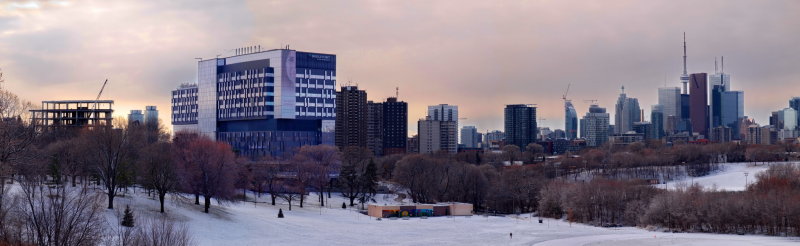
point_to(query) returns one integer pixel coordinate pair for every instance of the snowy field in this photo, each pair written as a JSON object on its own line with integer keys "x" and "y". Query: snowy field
{"x": 257, "y": 224}
{"x": 730, "y": 178}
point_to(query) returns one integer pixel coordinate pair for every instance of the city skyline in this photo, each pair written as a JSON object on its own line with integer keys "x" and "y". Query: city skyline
{"x": 527, "y": 52}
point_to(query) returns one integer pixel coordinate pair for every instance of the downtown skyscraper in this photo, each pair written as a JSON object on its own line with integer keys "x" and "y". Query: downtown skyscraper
{"x": 570, "y": 120}
{"x": 669, "y": 99}
{"x": 627, "y": 112}
{"x": 698, "y": 103}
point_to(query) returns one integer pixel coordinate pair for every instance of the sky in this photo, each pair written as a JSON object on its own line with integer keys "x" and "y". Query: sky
{"x": 479, "y": 55}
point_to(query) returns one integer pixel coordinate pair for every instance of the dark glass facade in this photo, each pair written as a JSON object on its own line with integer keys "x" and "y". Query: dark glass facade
{"x": 698, "y": 103}
{"x": 245, "y": 91}
{"x": 316, "y": 86}
{"x": 520, "y": 125}
{"x": 657, "y": 119}
{"x": 395, "y": 126}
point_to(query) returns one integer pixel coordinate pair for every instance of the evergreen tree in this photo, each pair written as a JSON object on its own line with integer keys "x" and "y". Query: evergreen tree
{"x": 350, "y": 181}
{"x": 127, "y": 218}
{"x": 280, "y": 213}
{"x": 344, "y": 206}
{"x": 368, "y": 182}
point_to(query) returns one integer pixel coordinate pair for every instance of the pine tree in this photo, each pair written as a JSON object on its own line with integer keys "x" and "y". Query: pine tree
{"x": 344, "y": 206}
{"x": 127, "y": 218}
{"x": 350, "y": 181}
{"x": 368, "y": 181}
{"x": 280, "y": 213}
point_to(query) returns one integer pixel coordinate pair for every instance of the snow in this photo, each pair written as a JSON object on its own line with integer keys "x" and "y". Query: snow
{"x": 248, "y": 223}
{"x": 730, "y": 178}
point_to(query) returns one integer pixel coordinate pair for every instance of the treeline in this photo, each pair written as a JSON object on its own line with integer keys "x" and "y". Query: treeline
{"x": 769, "y": 206}
{"x": 430, "y": 179}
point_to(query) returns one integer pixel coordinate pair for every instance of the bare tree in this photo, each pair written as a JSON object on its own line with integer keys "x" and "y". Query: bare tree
{"x": 160, "y": 172}
{"x": 511, "y": 153}
{"x": 182, "y": 155}
{"x": 265, "y": 177}
{"x": 354, "y": 160}
{"x": 535, "y": 151}
{"x": 316, "y": 165}
{"x": 110, "y": 151}
{"x": 158, "y": 231}
{"x": 60, "y": 216}
{"x": 212, "y": 169}
{"x": 288, "y": 191}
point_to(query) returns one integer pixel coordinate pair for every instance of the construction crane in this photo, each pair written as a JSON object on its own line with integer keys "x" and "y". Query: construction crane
{"x": 564, "y": 97}
{"x": 98, "y": 98}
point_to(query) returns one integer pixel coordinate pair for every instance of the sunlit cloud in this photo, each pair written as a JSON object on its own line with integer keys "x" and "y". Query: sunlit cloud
{"x": 479, "y": 55}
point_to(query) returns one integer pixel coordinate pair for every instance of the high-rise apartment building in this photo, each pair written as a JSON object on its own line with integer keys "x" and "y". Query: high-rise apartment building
{"x": 437, "y": 135}
{"x": 627, "y": 112}
{"x": 135, "y": 118}
{"x": 375, "y": 127}
{"x": 151, "y": 117}
{"x": 395, "y": 126}
{"x": 441, "y": 129}
{"x": 469, "y": 137}
{"x": 261, "y": 102}
{"x": 570, "y": 120}
{"x": 698, "y": 103}
{"x": 387, "y": 127}
{"x": 595, "y": 126}
{"x": 351, "y": 118}
{"x": 520, "y": 125}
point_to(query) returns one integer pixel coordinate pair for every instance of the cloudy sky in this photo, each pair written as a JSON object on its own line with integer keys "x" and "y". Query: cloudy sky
{"x": 479, "y": 55}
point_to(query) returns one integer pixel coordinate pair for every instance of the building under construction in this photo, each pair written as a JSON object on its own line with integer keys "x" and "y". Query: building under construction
{"x": 72, "y": 113}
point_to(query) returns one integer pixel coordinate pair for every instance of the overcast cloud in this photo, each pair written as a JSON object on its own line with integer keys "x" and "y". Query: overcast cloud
{"x": 479, "y": 55}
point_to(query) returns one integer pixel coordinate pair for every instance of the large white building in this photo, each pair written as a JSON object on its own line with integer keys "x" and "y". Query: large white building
{"x": 261, "y": 102}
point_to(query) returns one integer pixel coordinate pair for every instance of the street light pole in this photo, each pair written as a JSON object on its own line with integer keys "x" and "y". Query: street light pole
{"x": 745, "y": 179}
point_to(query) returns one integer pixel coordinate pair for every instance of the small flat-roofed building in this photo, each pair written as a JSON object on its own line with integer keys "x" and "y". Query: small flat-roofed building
{"x": 420, "y": 210}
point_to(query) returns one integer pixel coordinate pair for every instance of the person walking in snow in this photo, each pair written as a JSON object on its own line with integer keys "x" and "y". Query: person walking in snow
{"x": 510, "y": 235}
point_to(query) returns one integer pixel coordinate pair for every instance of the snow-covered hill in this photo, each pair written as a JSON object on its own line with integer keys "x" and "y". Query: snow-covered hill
{"x": 257, "y": 224}
{"x": 731, "y": 177}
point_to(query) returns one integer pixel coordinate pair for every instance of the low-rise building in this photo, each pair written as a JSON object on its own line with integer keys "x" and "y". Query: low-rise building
{"x": 419, "y": 210}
